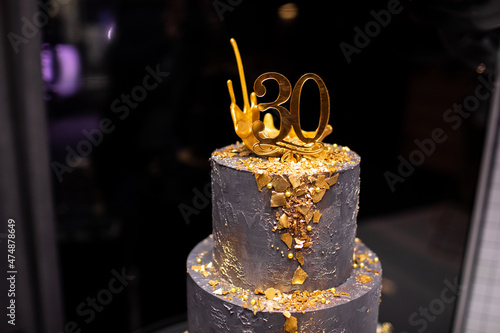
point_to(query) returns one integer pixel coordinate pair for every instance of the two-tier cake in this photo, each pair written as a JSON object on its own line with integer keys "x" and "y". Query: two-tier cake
{"x": 283, "y": 256}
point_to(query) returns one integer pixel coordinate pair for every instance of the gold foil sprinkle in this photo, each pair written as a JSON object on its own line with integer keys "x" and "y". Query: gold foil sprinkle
{"x": 363, "y": 278}
{"x": 299, "y": 276}
{"x": 213, "y": 283}
{"x": 361, "y": 257}
{"x": 291, "y": 324}
{"x": 287, "y": 239}
{"x": 332, "y": 180}
{"x": 304, "y": 209}
{"x": 270, "y": 292}
{"x": 295, "y": 180}
{"x": 300, "y": 191}
{"x": 262, "y": 179}
{"x": 278, "y": 199}
{"x": 300, "y": 257}
{"x": 321, "y": 183}
{"x": 283, "y": 222}
{"x": 280, "y": 183}
{"x": 316, "y": 216}
{"x": 309, "y": 216}
{"x": 318, "y": 195}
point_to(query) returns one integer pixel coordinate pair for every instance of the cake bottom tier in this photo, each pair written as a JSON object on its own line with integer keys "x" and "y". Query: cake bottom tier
{"x": 214, "y": 305}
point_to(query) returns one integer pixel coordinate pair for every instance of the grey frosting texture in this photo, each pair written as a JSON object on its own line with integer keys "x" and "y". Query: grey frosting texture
{"x": 248, "y": 252}
{"x": 356, "y": 312}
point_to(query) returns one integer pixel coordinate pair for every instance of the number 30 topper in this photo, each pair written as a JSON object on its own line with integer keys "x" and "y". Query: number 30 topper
{"x": 262, "y": 137}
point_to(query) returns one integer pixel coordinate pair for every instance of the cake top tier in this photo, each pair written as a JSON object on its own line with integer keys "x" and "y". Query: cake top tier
{"x": 284, "y": 222}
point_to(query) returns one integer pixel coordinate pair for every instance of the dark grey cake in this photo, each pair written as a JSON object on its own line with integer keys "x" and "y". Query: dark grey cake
{"x": 283, "y": 255}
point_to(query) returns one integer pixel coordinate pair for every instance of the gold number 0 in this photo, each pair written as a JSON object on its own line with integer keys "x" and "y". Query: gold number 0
{"x": 291, "y": 119}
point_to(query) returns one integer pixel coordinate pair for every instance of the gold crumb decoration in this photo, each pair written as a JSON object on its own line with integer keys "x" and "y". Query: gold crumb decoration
{"x": 295, "y": 180}
{"x": 262, "y": 137}
{"x": 321, "y": 182}
{"x": 318, "y": 195}
{"x": 361, "y": 257}
{"x": 291, "y": 325}
{"x": 283, "y": 222}
{"x": 363, "y": 278}
{"x": 300, "y": 257}
{"x": 287, "y": 239}
{"x": 332, "y": 180}
{"x": 303, "y": 209}
{"x": 213, "y": 283}
{"x": 280, "y": 183}
{"x": 262, "y": 179}
{"x": 299, "y": 276}
{"x": 316, "y": 216}
{"x": 278, "y": 199}
{"x": 270, "y": 293}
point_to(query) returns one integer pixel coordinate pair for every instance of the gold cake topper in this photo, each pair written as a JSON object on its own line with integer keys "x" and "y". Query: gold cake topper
{"x": 262, "y": 137}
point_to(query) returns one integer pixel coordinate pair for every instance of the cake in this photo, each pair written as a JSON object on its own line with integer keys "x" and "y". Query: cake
{"x": 283, "y": 255}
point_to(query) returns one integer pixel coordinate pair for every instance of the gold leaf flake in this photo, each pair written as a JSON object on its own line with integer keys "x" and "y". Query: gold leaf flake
{"x": 309, "y": 216}
{"x": 291, "y": 325}
{"x": 294, "y": 180}
{"x": 280, "y": 183}
{"x": 196, "y": 268}
{"x": 262, "y": 179}
{"x": 287, "y": 238}
{"x": 283, "y": 222}
{"x": 300, "y": 257}
{"x": 213, "y": 283}
{"x": 316, "y": 216}
{"x": 270, "y": 292}
{"x": 299, "y": 276}
{"x": 332, "y": 180}
{"x": 363, "y": 278}
{"x": 321, "y": 183}
{"x": 361, "y": 257}
{"x": 317, "y": 196}
{"x": 303, "y": 209}
{"x": 278, "y": 199}
{"x": 287, "y": 314}
{"x": 301, "y": 190}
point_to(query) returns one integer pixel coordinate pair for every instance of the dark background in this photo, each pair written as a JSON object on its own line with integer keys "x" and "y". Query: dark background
{"x": 119, "y": 207}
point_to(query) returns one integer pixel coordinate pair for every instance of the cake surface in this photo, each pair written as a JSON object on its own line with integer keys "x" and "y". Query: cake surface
{"x": 215, "y": 305}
